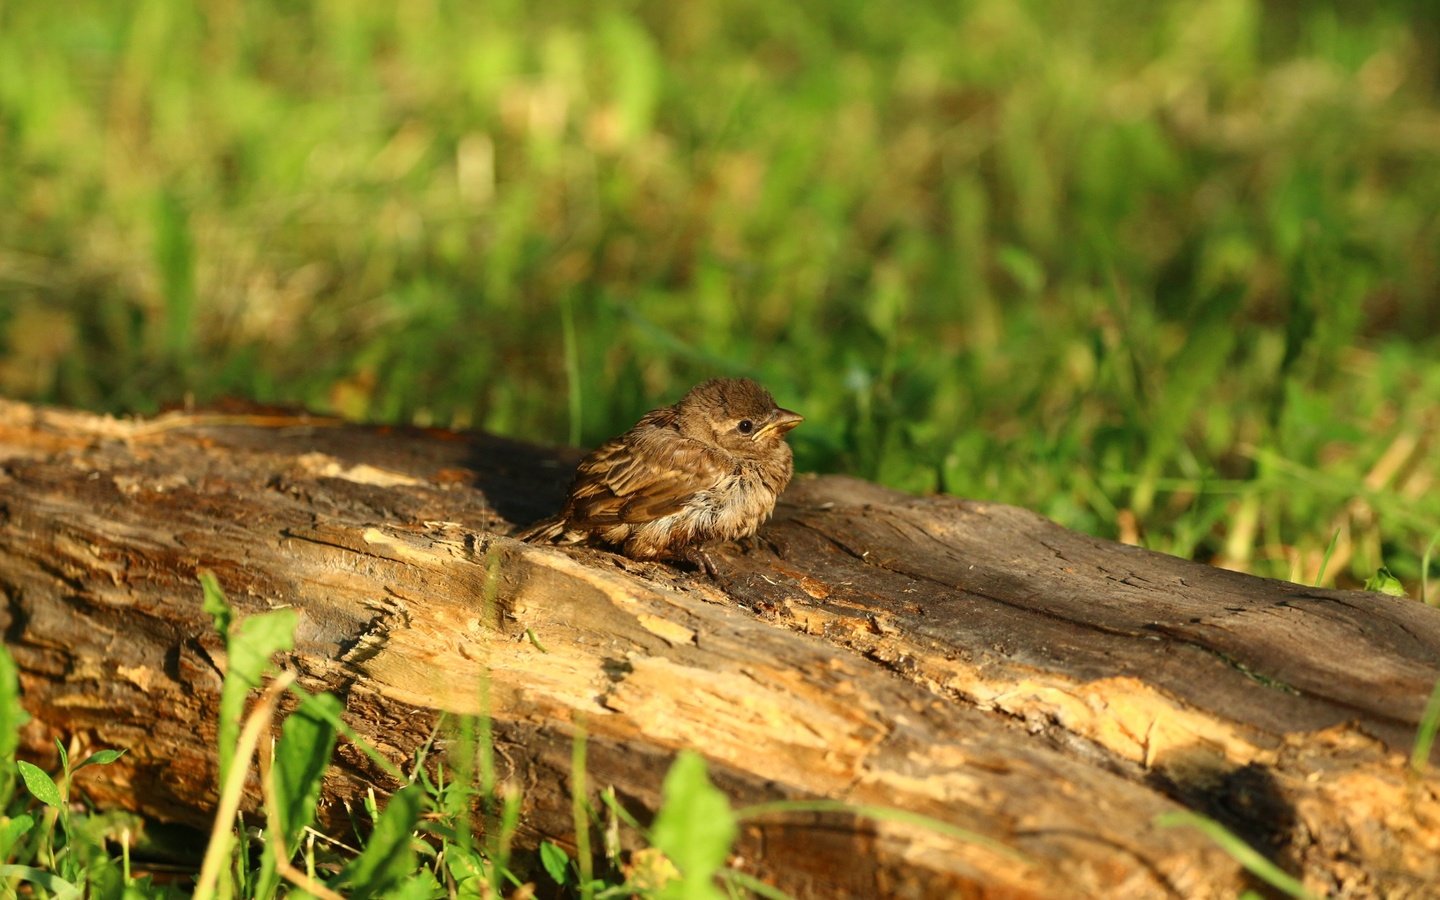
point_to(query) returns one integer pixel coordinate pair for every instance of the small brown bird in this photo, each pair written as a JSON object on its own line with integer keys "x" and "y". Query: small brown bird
{"x": 705, "y": 470}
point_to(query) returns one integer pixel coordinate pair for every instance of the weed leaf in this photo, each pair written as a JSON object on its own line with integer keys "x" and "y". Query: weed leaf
{"x": 388, "y": 857}
{"x": 12, "y": 830}
{"x": 215, "y": 603}
{"x": 307, "y": 740}
{"x": 556, "y": 861}
{"x": 423, "y": 886}
{"x": 467, "y": 868}
{"x": 99, "y": 758}
{"x": 695, "y": 828}
{"x": 249, "y": 649}
{"x": 40, "y": 785}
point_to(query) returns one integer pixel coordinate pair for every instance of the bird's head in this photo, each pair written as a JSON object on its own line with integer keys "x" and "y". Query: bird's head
{"x": 736, "y": 415}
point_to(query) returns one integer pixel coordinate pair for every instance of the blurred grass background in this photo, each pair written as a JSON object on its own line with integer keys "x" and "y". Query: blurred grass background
{"x": 1165, "y": 272}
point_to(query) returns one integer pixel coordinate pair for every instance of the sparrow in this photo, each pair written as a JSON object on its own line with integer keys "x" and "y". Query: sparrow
{"x": 703, "y": 471}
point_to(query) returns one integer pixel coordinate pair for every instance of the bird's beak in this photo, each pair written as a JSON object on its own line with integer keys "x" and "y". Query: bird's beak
{"x": 782, "y": 420}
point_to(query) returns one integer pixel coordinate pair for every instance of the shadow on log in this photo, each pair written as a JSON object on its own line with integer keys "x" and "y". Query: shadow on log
{"x": 971, "y": 662}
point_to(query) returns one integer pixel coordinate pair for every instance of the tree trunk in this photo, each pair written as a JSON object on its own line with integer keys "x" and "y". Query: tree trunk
{"x": 971, "y": 662}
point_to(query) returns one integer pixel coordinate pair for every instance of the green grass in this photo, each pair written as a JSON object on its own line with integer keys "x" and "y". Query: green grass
{"x": 1254, "y": 862}
{"x": 1165, "y": 274}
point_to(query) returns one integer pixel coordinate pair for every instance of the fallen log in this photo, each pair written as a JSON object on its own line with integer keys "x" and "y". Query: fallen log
{"x": 971, "y": 662}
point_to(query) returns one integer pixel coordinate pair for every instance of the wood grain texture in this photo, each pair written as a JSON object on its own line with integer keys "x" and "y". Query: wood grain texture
{"x": 971, "y": 662}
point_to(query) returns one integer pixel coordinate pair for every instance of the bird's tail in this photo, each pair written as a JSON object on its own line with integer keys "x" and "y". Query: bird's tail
{"x": 545, "y": 531}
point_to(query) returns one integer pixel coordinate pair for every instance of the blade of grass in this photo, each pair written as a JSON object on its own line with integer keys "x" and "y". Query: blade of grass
{"x": 1425, "y": 736}
{"x": 278, "y": 850}
{"x": 1399, "y": 509}
{"x": 572, "y": 364}
{"x": 1325, "y": 562}
{"x": 882, "y": 813}
{"x": 509, "y": 824}
{"x": 59, "y": 887}
{"x": 1240, "y": 851}
{"x": 752, "y": 884}
{"x": 221, "y": 833}
{"x": 1426, "y": 597}
{"x": 12, "y": 717}
{"x": 580, "y": 813}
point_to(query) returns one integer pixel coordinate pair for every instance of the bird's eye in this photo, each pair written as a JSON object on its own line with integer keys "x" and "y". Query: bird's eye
{"x": 746, "y": 426}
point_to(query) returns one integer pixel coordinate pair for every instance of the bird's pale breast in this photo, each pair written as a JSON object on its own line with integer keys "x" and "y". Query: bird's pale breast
{"x": 734, "y": 507}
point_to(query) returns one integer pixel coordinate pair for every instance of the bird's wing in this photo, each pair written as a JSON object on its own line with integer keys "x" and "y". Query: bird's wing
{"x": 645, "y": 474}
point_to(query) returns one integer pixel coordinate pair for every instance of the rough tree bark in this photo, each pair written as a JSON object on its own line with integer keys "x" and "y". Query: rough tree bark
{"x": 972, "y": 662}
